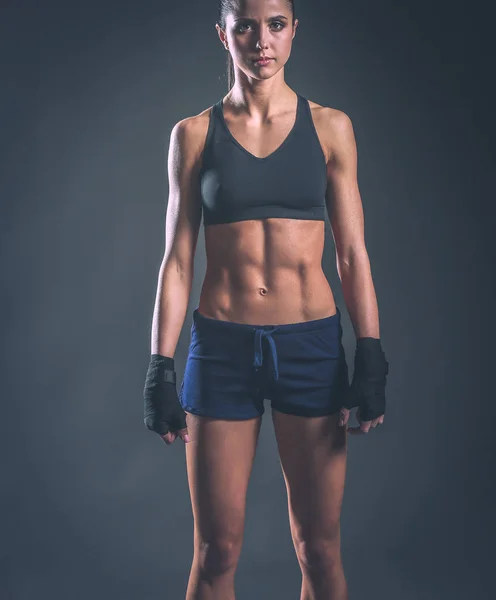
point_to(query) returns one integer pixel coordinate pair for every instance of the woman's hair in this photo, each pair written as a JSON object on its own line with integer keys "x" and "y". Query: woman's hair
{"x": 225, "y": 7}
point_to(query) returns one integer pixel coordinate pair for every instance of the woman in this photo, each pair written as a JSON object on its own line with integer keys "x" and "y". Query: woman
{"x": 262, "y": 166}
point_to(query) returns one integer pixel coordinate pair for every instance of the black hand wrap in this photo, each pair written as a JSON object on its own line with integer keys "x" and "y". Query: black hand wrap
{"x": 163, "y": 411}
{"x": 368, "y": 385}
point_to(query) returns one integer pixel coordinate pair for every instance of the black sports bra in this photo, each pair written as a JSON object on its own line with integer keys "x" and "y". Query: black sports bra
{"x": 289, "y": 183}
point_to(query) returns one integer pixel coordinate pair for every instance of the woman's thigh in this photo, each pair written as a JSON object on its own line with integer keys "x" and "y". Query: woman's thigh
{"x": 219, "y": 461}
{"x": 312, "y": 452}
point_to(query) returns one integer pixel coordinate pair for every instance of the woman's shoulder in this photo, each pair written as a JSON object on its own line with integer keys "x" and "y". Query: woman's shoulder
{"x": 327, "y": 114}
{"x": 192, "y": 130}
{"x": 332, "y": 126}
{"x": 329, "y": 119}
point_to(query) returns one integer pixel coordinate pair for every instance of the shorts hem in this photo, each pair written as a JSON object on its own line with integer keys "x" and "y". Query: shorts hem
{"x": 223, "y": 416}
{"x": 304, "y": 412}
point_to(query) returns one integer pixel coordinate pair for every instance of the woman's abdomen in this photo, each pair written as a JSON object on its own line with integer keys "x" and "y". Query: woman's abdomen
{"x": 266, "y": 272}
{"x": 285, "y": 297}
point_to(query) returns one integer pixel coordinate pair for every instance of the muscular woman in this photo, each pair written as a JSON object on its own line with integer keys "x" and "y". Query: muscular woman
{"x": 262, "y": 166}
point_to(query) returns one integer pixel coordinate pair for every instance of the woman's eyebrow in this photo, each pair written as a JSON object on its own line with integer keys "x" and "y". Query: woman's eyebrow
{"x": 276, "y": 17}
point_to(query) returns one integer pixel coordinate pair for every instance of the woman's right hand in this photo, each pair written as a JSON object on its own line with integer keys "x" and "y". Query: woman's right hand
{"x": 170, "y": 437}
{"x": 163, "y": 412}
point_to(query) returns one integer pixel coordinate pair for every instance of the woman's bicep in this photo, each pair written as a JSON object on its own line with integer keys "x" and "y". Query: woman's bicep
{"x": 184, "y": 208}
{"x": 344, "y": 204}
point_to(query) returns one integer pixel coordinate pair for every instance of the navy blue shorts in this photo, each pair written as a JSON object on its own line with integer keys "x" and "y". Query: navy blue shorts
{"x": 232, "y": 367}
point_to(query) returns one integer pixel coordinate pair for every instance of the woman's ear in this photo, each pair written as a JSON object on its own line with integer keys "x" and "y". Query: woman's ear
{"x": 222, "y": 35}
{"x": 294, "y": 28}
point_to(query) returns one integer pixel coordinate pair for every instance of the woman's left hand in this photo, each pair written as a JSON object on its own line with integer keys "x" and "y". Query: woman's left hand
{"x": 364, "y": 425}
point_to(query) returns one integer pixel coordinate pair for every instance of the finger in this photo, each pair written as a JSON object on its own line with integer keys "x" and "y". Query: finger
{"x": 365, "y": 425}
{"x": 359, "y": 430}
{"x": 183, "y": 434}
{"x": 344, "y": 416}
{"x": 354, "y": 431}
{"x": 169, "y": 437}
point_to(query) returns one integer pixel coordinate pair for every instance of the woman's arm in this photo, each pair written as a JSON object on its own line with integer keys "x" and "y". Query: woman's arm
{"x": 344, "y": 207}
{"x": 183, "y": 218}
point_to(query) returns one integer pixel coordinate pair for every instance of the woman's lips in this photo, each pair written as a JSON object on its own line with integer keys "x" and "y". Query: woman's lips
{"x": 262, "y": 62}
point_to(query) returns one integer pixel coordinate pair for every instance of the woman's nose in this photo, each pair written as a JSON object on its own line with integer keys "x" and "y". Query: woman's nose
{"x": 262, "y": 43}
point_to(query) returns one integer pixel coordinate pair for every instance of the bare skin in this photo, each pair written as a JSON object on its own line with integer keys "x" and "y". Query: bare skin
{"x": 268, "y": 271}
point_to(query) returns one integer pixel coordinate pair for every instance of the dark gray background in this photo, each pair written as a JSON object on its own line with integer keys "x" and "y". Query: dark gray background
{"x": 94, "y": 505}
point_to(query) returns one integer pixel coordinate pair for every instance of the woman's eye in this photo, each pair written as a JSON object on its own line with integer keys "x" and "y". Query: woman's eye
{"x": 240, "y": 30}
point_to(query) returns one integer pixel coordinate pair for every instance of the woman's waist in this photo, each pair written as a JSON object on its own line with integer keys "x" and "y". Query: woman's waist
{"x": 282, "y": 297}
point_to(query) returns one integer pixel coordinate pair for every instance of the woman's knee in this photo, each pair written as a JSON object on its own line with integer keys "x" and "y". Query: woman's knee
{"x": 219, "y": 555}
{"x": 319, "y": 553}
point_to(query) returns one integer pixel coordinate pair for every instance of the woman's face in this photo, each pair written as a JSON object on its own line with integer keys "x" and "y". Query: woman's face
{"x": 259, "y": 28}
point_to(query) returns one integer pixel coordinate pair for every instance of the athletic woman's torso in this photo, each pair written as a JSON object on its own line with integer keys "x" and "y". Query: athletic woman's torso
{"x": 264, "y": 269}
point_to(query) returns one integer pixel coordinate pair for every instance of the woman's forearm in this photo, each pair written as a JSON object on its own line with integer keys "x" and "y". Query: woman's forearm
{"x": 359, "y": 294}
{"x": 171, "y": 305}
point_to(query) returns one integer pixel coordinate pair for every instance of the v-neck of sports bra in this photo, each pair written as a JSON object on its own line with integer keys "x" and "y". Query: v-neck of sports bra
{"x": 283, "y": 143}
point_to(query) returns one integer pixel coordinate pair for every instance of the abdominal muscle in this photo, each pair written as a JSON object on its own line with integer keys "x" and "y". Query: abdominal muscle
{"x": 266, "y": 272}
